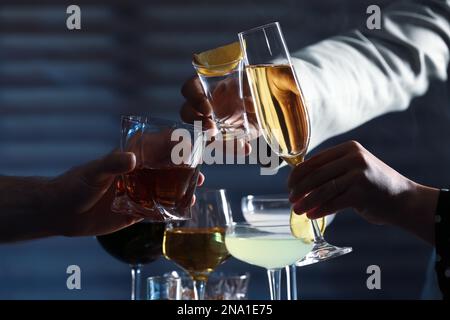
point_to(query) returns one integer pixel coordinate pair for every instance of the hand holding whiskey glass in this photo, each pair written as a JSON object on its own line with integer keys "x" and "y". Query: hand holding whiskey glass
{"x": 168, "y": 158}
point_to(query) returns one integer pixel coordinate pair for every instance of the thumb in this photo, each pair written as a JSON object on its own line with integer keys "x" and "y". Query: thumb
{"x": 101, "y": 171}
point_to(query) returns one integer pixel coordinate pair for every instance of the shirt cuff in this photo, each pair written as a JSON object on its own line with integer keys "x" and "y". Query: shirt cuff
{"x": 442, "y": 220}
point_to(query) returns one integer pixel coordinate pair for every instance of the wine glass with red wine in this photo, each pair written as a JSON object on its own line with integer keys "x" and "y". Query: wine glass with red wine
{"x": 136, "y": 245}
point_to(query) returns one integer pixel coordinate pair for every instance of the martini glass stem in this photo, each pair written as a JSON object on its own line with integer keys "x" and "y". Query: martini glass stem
{"x": 291, "y": 280}
{"x": 274, "y": 276}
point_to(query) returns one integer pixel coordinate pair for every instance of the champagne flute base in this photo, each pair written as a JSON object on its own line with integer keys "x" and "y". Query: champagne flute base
{"x": 323, "y": 251}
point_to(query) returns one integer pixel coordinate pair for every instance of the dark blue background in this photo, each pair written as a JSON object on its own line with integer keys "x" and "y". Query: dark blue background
{"x": 62, "y": 92}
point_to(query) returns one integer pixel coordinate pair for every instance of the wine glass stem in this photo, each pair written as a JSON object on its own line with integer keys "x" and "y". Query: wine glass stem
{"x": 199, "y": 289}
{"x": 136, "y": 282}
{"x": 274, "y": 276}
{"x": 318, "y": 238}
{"x": 291, "y": 280}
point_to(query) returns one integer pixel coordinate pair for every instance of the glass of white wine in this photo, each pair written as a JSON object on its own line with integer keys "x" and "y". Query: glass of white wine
{"x": 198, "y": 245}
{"x": 281, "y": 111}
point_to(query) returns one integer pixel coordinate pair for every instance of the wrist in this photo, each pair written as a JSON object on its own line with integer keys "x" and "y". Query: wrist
{"x": 44, "y": 207}
{"x": 418, "y": 212}
{"x": 24, "y": 213}
{"x": 52, "y": 210}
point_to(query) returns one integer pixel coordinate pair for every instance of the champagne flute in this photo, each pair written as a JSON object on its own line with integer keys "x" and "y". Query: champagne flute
{"x": 281, "y": 110}
{"x": 198, "y": 245}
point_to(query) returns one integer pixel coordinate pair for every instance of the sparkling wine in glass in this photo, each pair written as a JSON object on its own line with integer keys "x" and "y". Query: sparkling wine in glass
{"x": 281, "y": 110}
{"x": 198, "y": 245}
{"x": 136, "y": 245}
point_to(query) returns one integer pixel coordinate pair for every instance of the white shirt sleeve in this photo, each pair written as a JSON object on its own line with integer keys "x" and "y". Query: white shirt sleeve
{"x": 350, "y": 79}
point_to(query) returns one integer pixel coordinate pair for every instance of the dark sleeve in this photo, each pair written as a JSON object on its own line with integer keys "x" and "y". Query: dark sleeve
{"x": 442, "y": 232}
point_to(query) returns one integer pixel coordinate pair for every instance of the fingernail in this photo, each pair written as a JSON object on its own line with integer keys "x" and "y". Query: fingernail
{"x": 311, "y": 215}
{"x": 298, "y": 208}
{"x": 129, "y": 160}
{"x": 247, "y": 148}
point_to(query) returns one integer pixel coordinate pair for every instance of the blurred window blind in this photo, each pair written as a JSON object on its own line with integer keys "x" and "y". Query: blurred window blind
{"x": 62, "y": 92}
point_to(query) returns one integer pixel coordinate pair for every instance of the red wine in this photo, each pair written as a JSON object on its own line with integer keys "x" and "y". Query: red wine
{"x": 140, "y": 243}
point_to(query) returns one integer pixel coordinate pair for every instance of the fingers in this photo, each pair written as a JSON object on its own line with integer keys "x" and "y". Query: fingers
{"x": 334, "y": 205}
{"x": 97, "y": 217}
{"x": 310, "y": 179}
{"x": 201, "y": 179}
{"x": 98, "y": 172}
{"x": 115, "y": 163}
{"x": 192, "y": 90}
{"x": 189, "y": 114}
{"x": 245, "y": 86}
{"x": 324, "y": 193}
{"x": 318, "y": 160}
{"x": 248, "y": 104}
{"x": 247, "y": 148}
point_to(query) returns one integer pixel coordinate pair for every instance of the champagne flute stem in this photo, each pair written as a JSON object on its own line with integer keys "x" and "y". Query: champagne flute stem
{"x": 135, "y": 282}
{"x": 274, "y": 276}
{"x": 318, "y": 238}
{"x": 291, "y": 280}
{"x": 199, "y": 289}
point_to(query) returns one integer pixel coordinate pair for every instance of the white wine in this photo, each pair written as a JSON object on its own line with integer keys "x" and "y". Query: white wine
{"x": 281, "y": 110}
{"x": 198, "y": 250}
